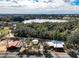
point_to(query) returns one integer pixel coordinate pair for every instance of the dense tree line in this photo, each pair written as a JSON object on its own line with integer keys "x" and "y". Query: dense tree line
{"x": 73, "y": 39}
{"x": 9, "y": 18}
{"x": 59, "y": 31}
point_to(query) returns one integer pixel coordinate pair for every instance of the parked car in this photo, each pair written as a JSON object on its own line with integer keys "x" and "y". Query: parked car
{"x": 72, "y": 53}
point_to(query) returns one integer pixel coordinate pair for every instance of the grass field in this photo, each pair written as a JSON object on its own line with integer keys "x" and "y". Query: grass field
{"x": 4, "y": 31}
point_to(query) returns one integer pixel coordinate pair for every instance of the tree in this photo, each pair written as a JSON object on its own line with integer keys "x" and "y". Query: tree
{"x": 19, "y": 19}
{"x": 73, "y": 38}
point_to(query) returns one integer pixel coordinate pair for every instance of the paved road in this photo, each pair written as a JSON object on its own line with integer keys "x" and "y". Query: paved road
{"x": 54, "y": 54}
{"x": 14, "y": 55}
{"x": 60, "y": 54}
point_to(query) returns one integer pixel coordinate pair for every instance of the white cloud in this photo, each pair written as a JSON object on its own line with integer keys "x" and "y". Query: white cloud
{"x": 30, "y": 6}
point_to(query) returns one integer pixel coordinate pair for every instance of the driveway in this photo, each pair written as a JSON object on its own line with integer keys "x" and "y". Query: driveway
{"x": 60, "y": 54}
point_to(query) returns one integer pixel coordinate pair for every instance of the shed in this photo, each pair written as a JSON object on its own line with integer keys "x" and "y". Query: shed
{"x": 35, "y": 41}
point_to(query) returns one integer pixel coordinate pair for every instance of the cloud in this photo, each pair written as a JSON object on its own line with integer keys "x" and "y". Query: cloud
{"x": 36, "y": 6}
{"x": 31, "y": 3}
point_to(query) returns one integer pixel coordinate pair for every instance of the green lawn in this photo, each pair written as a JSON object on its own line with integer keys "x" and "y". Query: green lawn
{"x": 4, "y": 31}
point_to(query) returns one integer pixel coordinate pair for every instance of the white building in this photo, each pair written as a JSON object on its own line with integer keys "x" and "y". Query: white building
{"x": 56, "y": 44}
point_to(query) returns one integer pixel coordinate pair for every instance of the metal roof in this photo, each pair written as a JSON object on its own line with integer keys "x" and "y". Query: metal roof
{"x": 56, "y": 44}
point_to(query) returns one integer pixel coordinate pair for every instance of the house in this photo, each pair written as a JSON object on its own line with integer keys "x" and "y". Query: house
{"x": 14, "y": 43}
{"x": 56, "y": 44}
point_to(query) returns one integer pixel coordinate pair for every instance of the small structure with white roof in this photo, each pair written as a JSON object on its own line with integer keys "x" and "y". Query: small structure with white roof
{"x": 35, "y": 41}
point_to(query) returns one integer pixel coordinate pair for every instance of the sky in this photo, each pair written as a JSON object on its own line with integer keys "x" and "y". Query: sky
{"x": 39, "y": 6}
